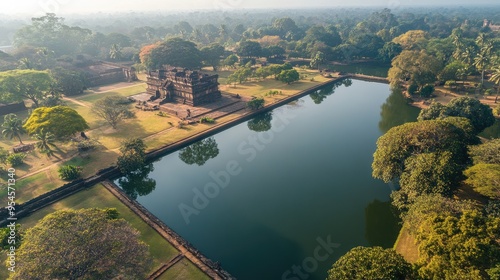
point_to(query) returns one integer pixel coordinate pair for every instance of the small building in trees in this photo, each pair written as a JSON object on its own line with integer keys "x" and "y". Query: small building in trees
{"x": 183, "y": 86}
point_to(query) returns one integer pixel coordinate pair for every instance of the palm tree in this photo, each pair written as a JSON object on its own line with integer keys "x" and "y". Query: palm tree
{"x": 482, "y": 60}
{"x": 25, "y": 63}
{"x": 115, "y": 53}
{"x": 12, "y": 127}
{"x": 495, "y": 78}
{"x": 45, "y": 142}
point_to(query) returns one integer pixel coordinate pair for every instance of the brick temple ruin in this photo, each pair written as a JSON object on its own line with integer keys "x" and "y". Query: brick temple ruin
{"x": 183, "y": 86}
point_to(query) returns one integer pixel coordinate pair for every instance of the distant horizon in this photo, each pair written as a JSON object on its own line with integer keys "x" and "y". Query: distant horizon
{"x": 32, "y": 8}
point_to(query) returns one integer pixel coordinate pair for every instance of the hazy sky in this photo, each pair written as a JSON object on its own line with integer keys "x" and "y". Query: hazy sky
{"x": 38, "y": 7}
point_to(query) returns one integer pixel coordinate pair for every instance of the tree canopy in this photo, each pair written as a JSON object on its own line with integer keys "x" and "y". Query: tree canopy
{"x": 61, "y": 121}
{"x": 459, "y": 247}
{"x": 480, "y": 115}
{"x": 212, "y": 54}
{"x": 288, "y": 76}
{"x": 174, "y": 52}
{"x": 82, "y": 244}
{"x": 486, "y": 152}
{"x": 485, "y": 179}
{"x": 415, "y": 67}
{"x": 374, "y": 263}
{"x": 17, "y": 85}
{"x": 410, "y": 139}
{"x": 112, "y": 109}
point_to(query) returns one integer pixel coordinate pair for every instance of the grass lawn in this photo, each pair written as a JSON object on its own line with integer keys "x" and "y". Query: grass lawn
{"x": 144, "y": 124}
{"x": 259, "y": 88}
{"x": 91, "y": 97}
{"x": 184, "y": 269}
{"x": 99, "y": 197}
{"x": 406, "y": 245}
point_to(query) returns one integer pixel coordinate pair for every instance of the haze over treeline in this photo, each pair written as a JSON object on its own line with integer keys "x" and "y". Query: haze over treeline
{"x": 91, "y": 6}
{"x": 164, "y": 21}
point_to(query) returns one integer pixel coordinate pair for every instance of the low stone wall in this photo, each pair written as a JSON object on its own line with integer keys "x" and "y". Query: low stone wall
{"x": 205, "y": 264}
{"x": 11, "y": 108}
{"x": 25, "y": 209}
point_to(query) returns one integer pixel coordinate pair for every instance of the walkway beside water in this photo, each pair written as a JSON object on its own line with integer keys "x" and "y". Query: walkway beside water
{"x": 186, "y": 250}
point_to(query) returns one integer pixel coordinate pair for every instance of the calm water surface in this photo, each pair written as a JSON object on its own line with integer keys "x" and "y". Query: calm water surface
{"x": 301, "y": 178}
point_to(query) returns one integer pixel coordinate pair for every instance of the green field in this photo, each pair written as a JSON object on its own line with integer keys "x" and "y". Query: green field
{"x": 161, "y": 250}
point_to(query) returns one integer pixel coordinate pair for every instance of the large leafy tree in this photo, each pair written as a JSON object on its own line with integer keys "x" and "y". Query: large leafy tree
{"x": 67, "y": 81}
{"x": 175, "y": 52}
{"x": 415, "y": 67}
{"x": 460, "y": 246}
{"x": 18, "y": 85}
{"x": 410, "y": 139}
{"x": 82, "y": 244}
{"x": 50, "y": 32}
{"x": 413, "y": 40}
{"x": 112, "y": 109}
{"x": 288, "y": 76}
{"x": 61, "y": 121}
{"x": 12, "y": 127}
{"x": 200, "y": 152}
{"x": 427, "y": 173}
{"x": 374, "y": 263}
{"x": 426, "y": 206}
{"x": 480, "y": 115}
{"x": 485, "y": 179}
{"x": 486, "y": 152}
{"x": 212, "y": 54}
{"x": 249, "y": 49}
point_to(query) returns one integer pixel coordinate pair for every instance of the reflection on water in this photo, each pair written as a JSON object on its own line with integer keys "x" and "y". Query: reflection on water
{"x": 261, "y": 123}
{"x": 394, "y": 112}
{"x": 200, "y": 152}
{"x": 382, "y": 224}
{"x": 309, "y": 178}
{"x": 138, "y": 183}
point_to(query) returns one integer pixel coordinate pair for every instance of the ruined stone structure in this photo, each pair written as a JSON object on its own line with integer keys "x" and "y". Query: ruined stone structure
{"x": 487, "y": 23}
{"x": 183, "y": 86}
{"x": 104, "y": 73}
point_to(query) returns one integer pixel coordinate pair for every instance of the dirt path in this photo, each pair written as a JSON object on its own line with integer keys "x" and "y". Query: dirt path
{"x": 115, "y": 87}
{"x": 76, "y": 102}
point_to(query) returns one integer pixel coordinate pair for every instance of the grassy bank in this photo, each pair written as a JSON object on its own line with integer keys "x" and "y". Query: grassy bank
{"x": 98, "y": 197}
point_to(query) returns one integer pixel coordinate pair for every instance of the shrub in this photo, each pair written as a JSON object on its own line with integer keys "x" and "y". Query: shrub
{"x": 255, "y": 103}
{"x": 16, "y": 159}
{"x": 427, "y": 90}
{"x": 272, "y": 93}
{"x": 207, "y": 120}
{"x": 86, "y": 145}
{"x": 69, "y": 172}
{"x": 412, "y": 89}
